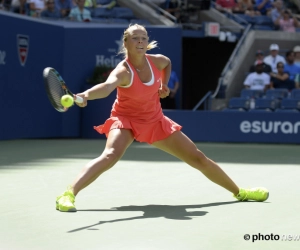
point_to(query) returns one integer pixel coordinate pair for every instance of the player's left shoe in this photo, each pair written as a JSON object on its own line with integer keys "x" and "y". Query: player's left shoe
{"x": 254, "y": 194}
{"x": 66, "y": 201}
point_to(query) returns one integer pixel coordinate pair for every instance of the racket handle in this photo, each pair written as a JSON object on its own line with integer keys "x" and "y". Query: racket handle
{"x": 78, "y": 99}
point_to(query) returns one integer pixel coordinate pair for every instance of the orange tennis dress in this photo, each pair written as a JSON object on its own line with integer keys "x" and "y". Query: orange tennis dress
{"x": 137, "y": 107}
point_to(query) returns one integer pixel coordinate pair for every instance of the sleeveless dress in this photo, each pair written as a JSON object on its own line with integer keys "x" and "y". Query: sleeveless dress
{"x": 137, "y": 107}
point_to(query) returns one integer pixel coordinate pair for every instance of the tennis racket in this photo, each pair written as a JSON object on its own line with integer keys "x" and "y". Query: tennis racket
{"x": 56, "y": 88}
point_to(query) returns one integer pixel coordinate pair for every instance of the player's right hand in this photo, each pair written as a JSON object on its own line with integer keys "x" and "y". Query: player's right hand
{"x": 84, "y": 97}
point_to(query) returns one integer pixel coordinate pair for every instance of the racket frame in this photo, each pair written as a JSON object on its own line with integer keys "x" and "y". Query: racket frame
{"x": 64, "y": 87}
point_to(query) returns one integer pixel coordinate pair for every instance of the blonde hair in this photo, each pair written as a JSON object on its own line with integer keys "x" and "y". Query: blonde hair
{"x": 151, "y": 45}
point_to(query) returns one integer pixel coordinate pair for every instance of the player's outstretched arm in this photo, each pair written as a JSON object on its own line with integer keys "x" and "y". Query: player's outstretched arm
{"x": 118, "y": 77}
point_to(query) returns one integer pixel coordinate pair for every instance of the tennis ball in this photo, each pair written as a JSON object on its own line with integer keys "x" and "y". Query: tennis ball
{"x": 67, "y": 101}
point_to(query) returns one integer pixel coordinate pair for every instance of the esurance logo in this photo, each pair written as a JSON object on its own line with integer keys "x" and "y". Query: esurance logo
{"x": 270, "y": 127}
{"x": 23, "y": 47}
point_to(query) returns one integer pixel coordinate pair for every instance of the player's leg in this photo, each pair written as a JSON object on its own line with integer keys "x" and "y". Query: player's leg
{"x": 117, "y": 142}
{"x": 183, "y": 148}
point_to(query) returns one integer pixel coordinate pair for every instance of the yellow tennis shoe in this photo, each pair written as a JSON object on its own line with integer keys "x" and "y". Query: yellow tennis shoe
{"x": 254, "y": 194}
{"x": 66, "y": 201}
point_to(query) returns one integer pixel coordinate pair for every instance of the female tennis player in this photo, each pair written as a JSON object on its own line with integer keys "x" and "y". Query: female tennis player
{"x": 141, "y": 79}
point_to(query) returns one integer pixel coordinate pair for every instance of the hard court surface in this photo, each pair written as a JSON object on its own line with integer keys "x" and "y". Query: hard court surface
{"x": 149, "y": 200}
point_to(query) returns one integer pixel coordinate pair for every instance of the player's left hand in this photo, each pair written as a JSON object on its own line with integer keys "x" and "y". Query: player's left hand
{"x": 163, "y": 91}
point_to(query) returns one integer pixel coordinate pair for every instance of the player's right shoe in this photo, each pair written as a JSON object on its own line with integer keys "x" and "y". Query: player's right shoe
{"x": 254, "y": 194}
{"x": 66, "y": 201}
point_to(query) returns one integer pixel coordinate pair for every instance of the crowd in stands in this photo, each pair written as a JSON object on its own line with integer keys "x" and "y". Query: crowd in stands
{"x": 275, "y": 71}
{"x": 183, "y": 10}
{"x": 75, "y": 10}
{"x": 272, "y": 84}
{"x": 279, "y": 14}
{"x": 174, "y": 7}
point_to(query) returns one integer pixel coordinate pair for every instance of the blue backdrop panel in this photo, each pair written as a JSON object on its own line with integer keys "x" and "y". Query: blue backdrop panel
{"x": 26, "y": 112}
{"x": 74, "y": 49}
{"x": 210, "y": 126}
{"x": 239, "y": 126}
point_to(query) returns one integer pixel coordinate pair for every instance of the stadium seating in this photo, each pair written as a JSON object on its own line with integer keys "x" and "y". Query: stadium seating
{"x": 123, "y": 12}
{"x": 262, "y": 27}
{"x": 249, "y": 93}
{"x": 118, "y": 20}
{"x": 103, "y": 13}
{"x": 259, "y": 110}
{"x": 119, "y": 15}
{"x": 263, "y": 20}
{"x": 277, "y": 93}
{"x": 267, "y": 103}
{"x": 100, "y": 20}
{"x": 290, "y": 103}
{"x": 259, "y": 22}
{"x": 239, "y": 103}
{"x": 295, "y": 94}
{"x": 245, "y": 18}
{"x": 140, "y": 21}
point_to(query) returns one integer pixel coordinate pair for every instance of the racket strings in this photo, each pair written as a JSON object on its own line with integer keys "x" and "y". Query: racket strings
{"x": 55, "y": 90}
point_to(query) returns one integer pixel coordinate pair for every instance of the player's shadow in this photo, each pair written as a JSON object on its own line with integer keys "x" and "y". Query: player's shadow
{"x": 154, "y": 211}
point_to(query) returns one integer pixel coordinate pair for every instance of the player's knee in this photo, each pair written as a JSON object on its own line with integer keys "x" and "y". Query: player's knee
{"x": 200, "y": 160}
{"x": 113, "y": 154}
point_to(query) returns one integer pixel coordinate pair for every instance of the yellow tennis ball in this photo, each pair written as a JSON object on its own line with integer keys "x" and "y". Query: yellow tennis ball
{"x": 67, "y": 101}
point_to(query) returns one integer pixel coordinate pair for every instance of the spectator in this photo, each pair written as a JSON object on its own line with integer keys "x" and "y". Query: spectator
{"x": 260, "y": 57}
{"x": 281, "y": 79}
{"x": 36, "y": 7}
{"x": 287, "y": 22}
{"x": 169, "y": 102}
{"x": 290, "y": 66}
{"x": 274, "y": 58}
{"x": 64, "y": 7}
{"x": 263, "y": 6}
{"x": 276, "y": 11}
{"x": 50, "y": 11}
{"x": 79, "y": 13}
{"x": 297, "y": 55}
{"x": 19, "y": 7}
{"x": 246, "y": 7}
{"x": 173, "y": 7}
{"x": 227, "y": 6}
{"x": 258, "y": 80}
